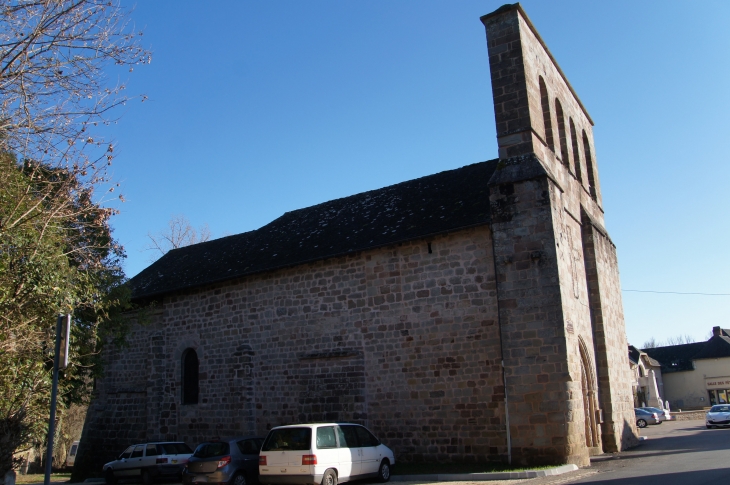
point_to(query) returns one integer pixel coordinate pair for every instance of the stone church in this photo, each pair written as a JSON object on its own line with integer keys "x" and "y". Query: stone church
{"x": 472, "y": 315}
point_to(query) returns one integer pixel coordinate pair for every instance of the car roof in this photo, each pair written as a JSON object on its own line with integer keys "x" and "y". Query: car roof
{"x": 304, "y": 425}
{"x": 229, "y": 440}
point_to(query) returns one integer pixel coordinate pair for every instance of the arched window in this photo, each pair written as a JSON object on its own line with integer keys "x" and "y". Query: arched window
{"x": 561, "y": 133}
{"x": 547, "y": 119}
{"x": 189, "y": 377}
{"x": 589, "y": 166}
{"x": 576, "y": 153}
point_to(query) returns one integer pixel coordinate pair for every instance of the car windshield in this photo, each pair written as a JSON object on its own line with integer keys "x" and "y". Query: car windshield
{"x": 720, "y": 409}
{"x": 175, "y": 448}
{"x": 299, "y": 439}
{"x": 208, "y": 450}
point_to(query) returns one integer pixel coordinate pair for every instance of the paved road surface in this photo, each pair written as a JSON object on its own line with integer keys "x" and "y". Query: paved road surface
{"x": 682, "y": 453}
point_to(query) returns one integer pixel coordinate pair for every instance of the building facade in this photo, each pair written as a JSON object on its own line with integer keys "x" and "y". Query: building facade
{"x": 471, "y": 315}
{"x": 647, "y": 385}
{"x": 696, "y": 375}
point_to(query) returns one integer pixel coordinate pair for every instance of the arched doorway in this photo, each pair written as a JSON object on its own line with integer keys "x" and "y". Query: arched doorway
{"x": 590, "y": 399}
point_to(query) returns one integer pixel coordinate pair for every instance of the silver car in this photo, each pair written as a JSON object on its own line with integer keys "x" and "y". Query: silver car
{"x": 148, "y": 461}
{"x": 718, "y": 415}
{"x": 663, "y": 413}
{"x": 644, "y": 417}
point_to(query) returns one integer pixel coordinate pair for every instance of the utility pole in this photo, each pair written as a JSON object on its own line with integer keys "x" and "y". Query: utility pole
{"x": 60, "y": 360}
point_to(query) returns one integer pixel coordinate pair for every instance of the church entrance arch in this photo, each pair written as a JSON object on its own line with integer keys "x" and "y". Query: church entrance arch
{"x": 590, "y": 398}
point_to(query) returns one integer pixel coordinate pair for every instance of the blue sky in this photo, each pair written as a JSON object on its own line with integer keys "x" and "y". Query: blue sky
{"x": 258, "y": 108}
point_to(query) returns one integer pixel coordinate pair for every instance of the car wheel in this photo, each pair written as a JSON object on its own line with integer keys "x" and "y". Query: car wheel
{"x": 641, "y": 423}
{"x": 384, "y": 471}
{"x": 238, "y": 479}
{"x": 109, "y": 476}
{"x": 329, "y": 477}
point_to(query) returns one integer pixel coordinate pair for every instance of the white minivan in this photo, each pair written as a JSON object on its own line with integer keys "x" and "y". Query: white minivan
{"x": 323, "y": 453}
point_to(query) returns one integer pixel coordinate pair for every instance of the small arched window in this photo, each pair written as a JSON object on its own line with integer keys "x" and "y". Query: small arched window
{"x": 576, "y": 153}
{"x": 190, "y": 377}
{"x": 547, "y": 119}
{"x": 590, "y": 169}
{"x": 561, "y": 133}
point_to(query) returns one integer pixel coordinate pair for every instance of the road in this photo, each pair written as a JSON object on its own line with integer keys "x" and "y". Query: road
{"x": 681, "y": 452}
{"x": 675, "y": 453}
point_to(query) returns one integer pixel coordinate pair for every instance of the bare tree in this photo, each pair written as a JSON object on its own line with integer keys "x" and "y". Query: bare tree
{"x": 678, "y": 340}
{"x": 54, "y": 59}
{"x": 179, "y": 233}
{"x": 651, "y": 344}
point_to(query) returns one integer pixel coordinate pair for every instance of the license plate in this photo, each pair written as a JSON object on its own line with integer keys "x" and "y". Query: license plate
{"x": 174, "y": 461}
{"x": 200, "y": 479}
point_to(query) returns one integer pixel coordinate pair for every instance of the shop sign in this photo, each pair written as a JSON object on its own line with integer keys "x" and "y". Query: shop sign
{"x": 717, "y": 383}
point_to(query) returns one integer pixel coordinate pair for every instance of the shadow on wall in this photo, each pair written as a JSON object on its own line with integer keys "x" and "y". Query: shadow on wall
{"x": 629, "y": 438}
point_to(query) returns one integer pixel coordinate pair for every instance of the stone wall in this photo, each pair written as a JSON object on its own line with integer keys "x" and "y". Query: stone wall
{"x": 400, "y": 339}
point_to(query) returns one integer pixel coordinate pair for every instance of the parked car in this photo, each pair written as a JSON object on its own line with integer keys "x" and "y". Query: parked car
{"x": 644, "y": 417}
{"x": 718, "y": 415}
{"x": 324, "y": 453}
{"x": 149, "y": 461}
{"x": 663, "y": 413}
{"x": 234, "y": 461}
{"x": 71, "y": 458}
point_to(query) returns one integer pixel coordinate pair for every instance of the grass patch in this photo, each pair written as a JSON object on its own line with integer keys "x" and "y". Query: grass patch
{"x": 438, "y": 468}
{"x": 39, "y": 477}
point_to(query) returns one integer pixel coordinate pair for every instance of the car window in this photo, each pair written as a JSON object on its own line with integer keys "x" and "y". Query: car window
{"x": 208, "y": 450}
{"x": 174, "y": 449}
{"x": 720, "y": 409}
{"x": 348, "y": 436}
{"x": 249, "y": 447}
{"x": 365, "y": 437}
{"x": 127, "y": 453}
{"x": 137, "y": 451}
{"x": 73, "y": 450}
{"x": 151, "y": 450}
{"x": 326, "y": 437}
{"x": 298, "y": 439}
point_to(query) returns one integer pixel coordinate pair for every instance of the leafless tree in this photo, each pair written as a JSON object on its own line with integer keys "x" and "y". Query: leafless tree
{"x": 678, "y": 340}
{"x": 54, "y": 90}
{"x": 179, "y": 233}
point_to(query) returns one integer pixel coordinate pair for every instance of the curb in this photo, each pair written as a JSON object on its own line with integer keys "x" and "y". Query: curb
{"x": 478, "y": 477}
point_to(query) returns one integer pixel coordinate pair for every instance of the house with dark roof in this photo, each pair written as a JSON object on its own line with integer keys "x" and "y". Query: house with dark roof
{"x": 647, "y": 385}
{"x": 473, "y": 315}
{"x": 696, "y": 375}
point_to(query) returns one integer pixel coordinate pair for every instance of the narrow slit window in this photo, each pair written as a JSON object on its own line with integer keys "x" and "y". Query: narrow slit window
{"x": 590, "y": 169}
{"x": 561, "y": 133}
{"x": 190, "y": 367}
{"x": 576, "y": 152}
{"x": 546, "y": 117}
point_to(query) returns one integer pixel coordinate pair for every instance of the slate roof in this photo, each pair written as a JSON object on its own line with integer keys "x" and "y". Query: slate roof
{"x": 635, "y": 355}
{"x": 446, "y": 201}
{"x": 676, "y": 358}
